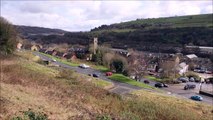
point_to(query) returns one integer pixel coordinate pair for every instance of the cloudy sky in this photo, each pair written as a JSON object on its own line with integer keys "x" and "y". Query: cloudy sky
{"x": 85, "y": 15}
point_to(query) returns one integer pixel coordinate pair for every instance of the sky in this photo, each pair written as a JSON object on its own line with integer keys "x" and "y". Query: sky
{"x": 85, "y": 15}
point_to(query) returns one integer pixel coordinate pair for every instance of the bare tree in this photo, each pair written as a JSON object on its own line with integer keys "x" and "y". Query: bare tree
{"x": 138, "y": 64}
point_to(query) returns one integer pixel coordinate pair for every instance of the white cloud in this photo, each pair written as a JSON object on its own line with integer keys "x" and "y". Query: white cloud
{"x": 85, "y": 15}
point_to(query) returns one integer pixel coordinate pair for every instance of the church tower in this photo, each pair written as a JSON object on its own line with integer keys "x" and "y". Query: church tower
{"x": 95, "y": 42}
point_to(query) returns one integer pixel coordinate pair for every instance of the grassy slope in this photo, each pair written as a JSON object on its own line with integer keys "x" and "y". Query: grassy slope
{"x": 74, "y": 98}
{"x": 204, "y": 20}
{"x": 179, "y": 21}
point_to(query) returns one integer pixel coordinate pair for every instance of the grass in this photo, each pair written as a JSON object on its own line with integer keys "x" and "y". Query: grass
{"x": 101, "y": 68}
{"x": 153, "y": 78}
{"x": 122, "y": 78}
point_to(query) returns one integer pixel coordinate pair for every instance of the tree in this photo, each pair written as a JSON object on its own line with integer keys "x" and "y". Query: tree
{"x": 107, "y": 58}
{"x": 138, "y": 64}
{"x": 118, "y": 63}
{"x": 8, "y": 37}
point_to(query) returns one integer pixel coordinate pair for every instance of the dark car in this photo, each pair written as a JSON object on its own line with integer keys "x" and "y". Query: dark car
{"x": 176, "y": 82}
{"x": 146, "y": 81}
{"x": 197, "y": 98}
{"x": 94, "y": 75}
{"x": 183, "y": 79}
{"x": 189, "y": 86}
{"x": 159, "y": 85}
{"x": 165, "y": 85}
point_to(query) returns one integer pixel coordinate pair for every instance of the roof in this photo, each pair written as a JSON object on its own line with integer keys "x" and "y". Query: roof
{"x": 59, "y": 54}
{"x": 69, "y": 55}
{"x": 183, "y": 64}
{"x": 191, "y": 56}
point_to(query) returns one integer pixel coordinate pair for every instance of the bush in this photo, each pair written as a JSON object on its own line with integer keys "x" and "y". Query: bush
{"x": 66, "y": 74}
{"x": 31, "y": 116}
{"x": 104, "y": 117}
{"x": 192, "y": 74}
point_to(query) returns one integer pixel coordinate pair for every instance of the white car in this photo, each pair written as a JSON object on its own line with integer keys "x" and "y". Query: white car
{"x": 84, "y": 66}
{"x": 53, "y": 60}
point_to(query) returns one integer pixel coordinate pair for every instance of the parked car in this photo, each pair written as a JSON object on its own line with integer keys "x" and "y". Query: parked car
{"x": 95, "y": 75}
{"x": 146, "y": 81}
{"x": 197, "y": 98}
{"x": 200, "y": 70}
{"x": 159, "y": 85}
{"x": 108, "y": 73}
{"x": 176, "y": 82}
{"x": 84, "y": 66}
{"x": 191, "y": 79}
{"x": 183, "y": 79}
{"x": 189, "y": 86}
{"x": 165, "y": 85}
{"x": 53, "y": 60}
{"x": 208, "y": 72}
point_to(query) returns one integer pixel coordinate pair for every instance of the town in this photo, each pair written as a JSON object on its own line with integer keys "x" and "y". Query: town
{"x": 106, "y": 60}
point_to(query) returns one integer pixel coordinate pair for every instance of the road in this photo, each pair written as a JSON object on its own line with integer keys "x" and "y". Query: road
{"x": 119, "y": 88}
{"x": 123, "y": 88}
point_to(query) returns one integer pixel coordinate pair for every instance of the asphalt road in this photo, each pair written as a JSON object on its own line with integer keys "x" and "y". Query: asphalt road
{"x": 123, "y": 88}
{"x": 119, "y": 88}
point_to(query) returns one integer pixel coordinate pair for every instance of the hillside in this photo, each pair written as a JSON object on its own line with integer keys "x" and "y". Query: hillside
{"x": 157, "y": 34}
{"x": 29, "y": 88}
{"x": 204, "y": 20}
{"x": 32, "y": 31}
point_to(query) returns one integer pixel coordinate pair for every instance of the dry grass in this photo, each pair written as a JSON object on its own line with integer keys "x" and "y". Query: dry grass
{"x": 34, "y": 86}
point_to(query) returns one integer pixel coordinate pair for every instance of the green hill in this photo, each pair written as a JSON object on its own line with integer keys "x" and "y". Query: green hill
{"x": 204, "y": 20}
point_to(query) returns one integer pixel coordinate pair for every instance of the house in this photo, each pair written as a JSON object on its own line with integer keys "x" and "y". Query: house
{"x": 182, "y": 68}
{"x": 34, "y": 48}
{"x": 19, "y": 46}
{"x": 43, "y": 50}
{"x": 191, "y": 56}
{"x": 60, "y": 54}
{"x": 70, "y": 56}
{"x": 52, "y": 52}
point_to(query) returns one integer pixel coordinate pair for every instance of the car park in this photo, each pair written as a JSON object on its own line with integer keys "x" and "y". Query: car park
{"x": 189, "y": 86}
{"x": 159, "y": 85}
{"x": 197, "y": 98}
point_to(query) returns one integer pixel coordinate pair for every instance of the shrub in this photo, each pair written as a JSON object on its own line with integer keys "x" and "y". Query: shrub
{"x": 192, "y": 74}
{"x": 31, "y": 116}
{"x": 66, "y": 73}
{"x": 104, "y": 117}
